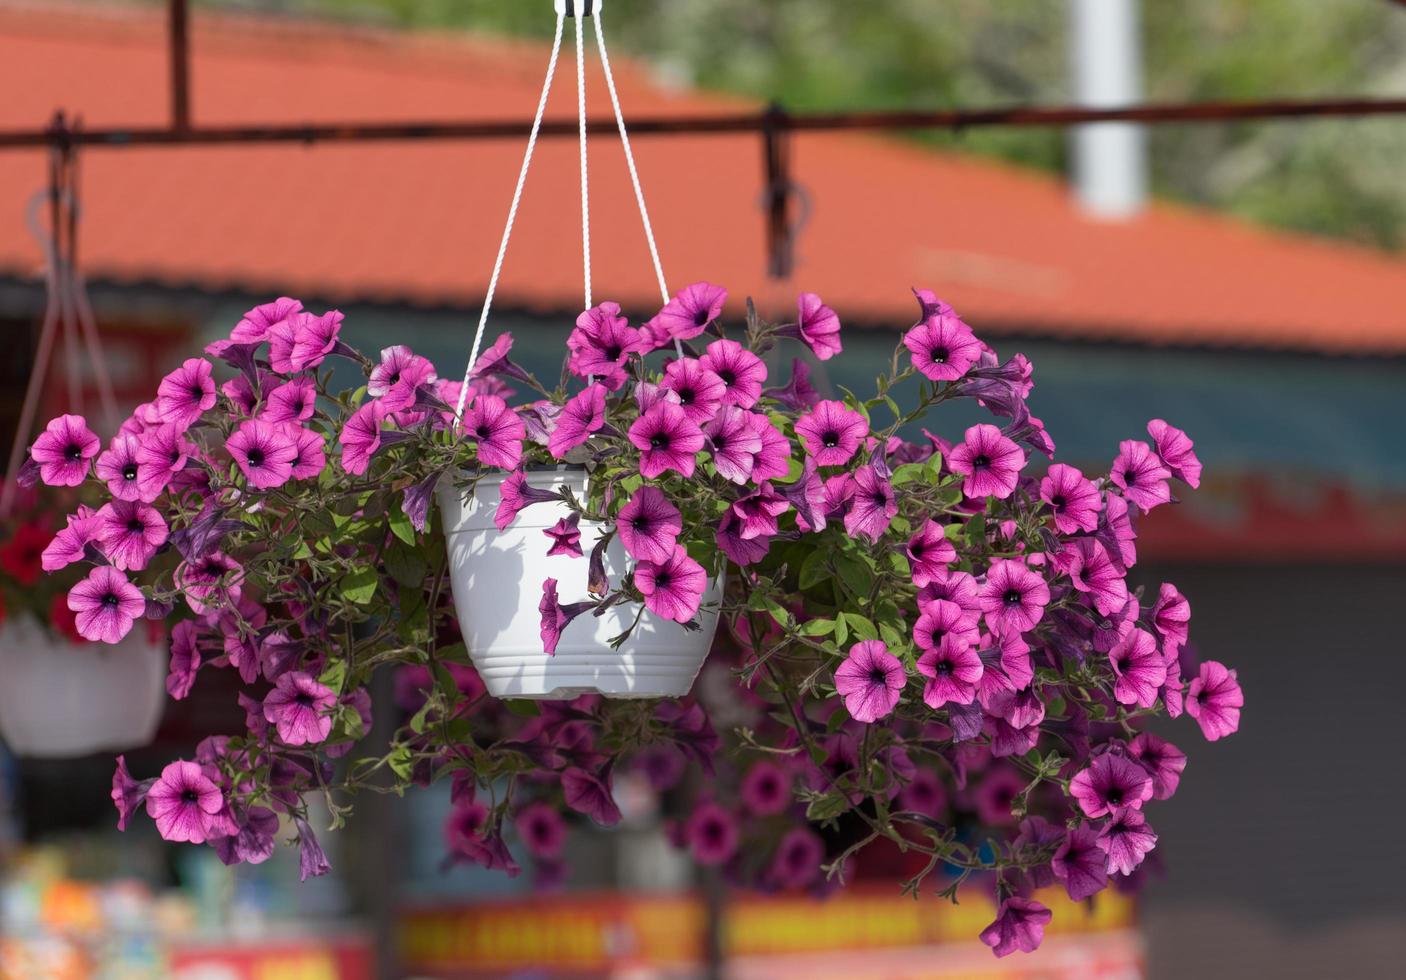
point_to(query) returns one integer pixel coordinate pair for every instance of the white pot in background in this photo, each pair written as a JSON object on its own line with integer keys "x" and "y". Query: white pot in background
{"x": 498, "y": 576}
{"x": 60, "y": 699}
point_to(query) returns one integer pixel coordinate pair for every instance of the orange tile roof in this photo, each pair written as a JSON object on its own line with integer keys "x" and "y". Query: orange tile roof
{"x": 419, "y": 223}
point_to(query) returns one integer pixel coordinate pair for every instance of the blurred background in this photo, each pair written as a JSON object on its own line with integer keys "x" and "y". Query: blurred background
{"x": 1244, "y": 280}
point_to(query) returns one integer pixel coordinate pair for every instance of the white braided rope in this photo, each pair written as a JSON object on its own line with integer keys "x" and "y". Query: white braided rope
{"x": 585, "y": 183}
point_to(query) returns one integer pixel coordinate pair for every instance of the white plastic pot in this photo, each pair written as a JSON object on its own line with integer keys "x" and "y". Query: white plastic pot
{"x": 497, "y": 579}
{"x": 60, "y": 699}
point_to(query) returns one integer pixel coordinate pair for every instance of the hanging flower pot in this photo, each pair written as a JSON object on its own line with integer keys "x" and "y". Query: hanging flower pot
{"x": 498, "y": 575}
{"x": 62, "y": 699}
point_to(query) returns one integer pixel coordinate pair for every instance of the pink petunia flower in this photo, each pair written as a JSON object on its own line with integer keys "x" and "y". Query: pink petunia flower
{"x": 688, "y": 314}
{"x": 541, "y": 830}
{"x": 1110, "y": 783}
{"x": 300, "y": 709}
{"x": 162, "y": 452}
{"x": 184, "y": 802}
{"x": 734, "y": 443}
{"x": 1020, "y": 925}
{"x": 242, "y": 395}
{"x": 731, "y": 538}
{"x": 766, "y": 789}
{"x": 186, "y": 393}
{"x": 292, "y": 401}
{"x": 929, "y": 553}
{"x": 953, "y": 671}
{"x": 497, "y": 430}
{"x": 398, "y": 377}
{"x": 1080, "y": 864}
{"x": 121, "y": 467}
{"x": 672, "y": 588}
{"x": 210, "y": 582}
{"x": 514, "y": 494}
{"x": 264, "y": 453}
{"x": 943, "y": 348}
{"x": 583, "y": 416}
{"x": 1138, "y": 668}
{"x": 667, "y": 440}
{"x": 565, "y": 536}
{"x": 742, "y": 372}
{"x": 990, "y": 462}
{"x": 1174, "y": 449}
{"x": 1163, "y": 761}
{"x": 773, "y": 460}
{"x": 955, "y": 586}
{"x": 758, "y": 512}
{"x": 832, "y": 433}
{"x": 817, "y": 326}
{"x": 130, "y": 533}
{"x": 185, "y": 660}
{"x": 311, "y": 449}
{"x": 63, "y": 451}
{"x": 257, "y": 323}
{"x": 1126, "y": 839}
{"x": 649, "y": 525}
{"x": 70, "y": 544}
{"x": 943, "y": 621}
{"x": 1214, "y": 699}
{"x": 711, "y": 832}
{"x": 870, "y": 680}
{"x": 873, "y": 506}
{"x": 602, "y": 344}
{"x": 1141, "y": 475}
{"x": 700, "y": 391}
{"x": 1014, "y": 597}
{"x": 1171, "y": 616}
{"x": 106, "y": 605}
{"x": 555, "y": 616}
{"x": 361, "y": 437}
{"x": 1073, "y": 499}
{"x": 302, "y": 341}
{"x": 1093, "y": 572}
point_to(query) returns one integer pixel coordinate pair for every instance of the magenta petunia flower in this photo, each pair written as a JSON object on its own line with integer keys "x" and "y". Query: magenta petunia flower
{"x": 583, "y": 415}
{"x": 742, "y": 372}
{"x": 264, "y": 452}
{"x": 1093, "y": 572}
{"x": 739, "y": 549}
{"x": 1020, "y": 925}
{"x": 1073, "y": 499}
{"x": 924, "y": 794}
{"x": 514, "y": 494}
{"x": 942, "y": 621}
{"x": 818, "y": 326}
{"x": 162, "y": 452}
{"x": 555, "y": 616}
{"x": 766, "y": 789}
{"x": 300, "y": 708}
{"x": 1126, "y": 839}
{"x": 186, "y": 393}
{"x": 302, "y": 341}
{"x": 127, "y": 793}
{"x": 711, "y": 833}
{"x": 1163, "y": 761}
{"x": 184, "y": 802}
{"x": 185, "y": 660}
{"x": 242, "y": 394}
{"x": 255, "y": 326}
{"x": 870, "y": 680}
{"x": 734, "y": 443}
{"x": 943, "y": 347}
{"x": 1171, "y": 616}
{"x": 955, "y": 586}
{"x": 106, "y": 605}
{"x": 990, "y": 462}
{"x": 796, "y": 863}
{"x": 797, "y": 394}
{"x": 929, "y": 553}
{"x": 590, "y": 795}
{"x": 565, "y": 536}
{"x": 1174, "y": 449}
{"x": 1115, "y": 531}
{"x": 1214, "y": 699}
{"x": 311, "y": 449}
{"x": 700, "y": 391}
{"x": 497, "y": 430}
{"x": 667, "y": 440}
{"x": 1111, "y": 782}
{"x": 129, "y": 533}
{"x": 773, "y": 460}
{"x": 672, "y": 588}
{"x": 1014, "y": 597}
{"x": 1141, "y": 475}
{"x": 397, "y": 379}
{"x": 953, "y": 671}
{"x": 70, "y": 544}
{"x": 873, "y": 506}
{"x": 63, "y": 451}
{"x": 602, "y": 344}
{"x": 758, "y": 512}
{"x": 1080, "y": 864}
{"x": 292, "y": 401}
{"x": 541, "y": 830}
{"x": 121, "y": 467}
{"x": 209, "y": 582}
{"x": 361, "y": 437}
{"x": 688, "y": 314}
{"x": 1138, "y": 668}
{"x": 649, "y": 525}
{"x": 832, "y": 433}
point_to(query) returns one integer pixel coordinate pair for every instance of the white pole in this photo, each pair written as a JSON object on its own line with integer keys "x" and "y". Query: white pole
{"x": 1110, "y": 159}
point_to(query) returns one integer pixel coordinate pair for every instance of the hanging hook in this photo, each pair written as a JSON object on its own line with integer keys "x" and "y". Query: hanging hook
{"x": 588, "y": 7}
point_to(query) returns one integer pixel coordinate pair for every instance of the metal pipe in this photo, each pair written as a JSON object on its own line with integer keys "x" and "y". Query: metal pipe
{"x": 178, "y": 30}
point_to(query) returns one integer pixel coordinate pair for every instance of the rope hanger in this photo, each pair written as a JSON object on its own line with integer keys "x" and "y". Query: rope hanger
{"x": 565, "y": 9}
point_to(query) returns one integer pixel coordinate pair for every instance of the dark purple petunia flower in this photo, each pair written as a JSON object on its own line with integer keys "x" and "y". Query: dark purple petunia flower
{"x": 832, "y": 433}
{"x": 1141, "y": 475}
{"x": 300, "y": 708}
{"x": 1139, "y": 669}
{"x": 808, "y": 496}
{"x": 1115, "y": 531}
{"x": 601, "y": 345}
{"x": 649, "y": 525}
{"x": 1174, "y": 449}
{"x": 700, "y": 391}
{"x": 254, "y": 838}
{"x": 1126, "y": 839}
{"x": 1163, "y": 761}
{"x": 565, "y": 536}
{"x": 688, "y": 314}
{"x": 1014, "y": 597}
{"x": 672, "y": 588}
{"x": 712, "y": 833}
{"x": 796, "y": 863}
{"x": 734, "y": 442}
{"x": 1080, "y": 864}
{"x": 742, "y": 372}
{"x": 943, "y": 347}
{"x": 182, "y": 802}
{"x": 766, "y": 789}
{"x": 497, "y": 431}
{"x": 1111, "y": 782}
{"x": 590, "y": 795}
{"x": 929, "y": 553}
{"x": 798, "y": 394}
{"x": 185, "y": 660}
{"x": 541, "y": 830}
{"x": 63, "y": 451}
{"x": 873, "y": 507}
{"x": 1073, "y": 499}
{"x": 1038, "y": 834}
{"x": 870, "y": 680}
{"x": 1214, "y": 699}
{"x": 925, "y": 794}
{"x": 127, "y": 793}
{"x": 990, "y": 462}
{"x": 667, "y": 440}
{"x": 312, "y": 861}
{"x": 1020, "y": 925}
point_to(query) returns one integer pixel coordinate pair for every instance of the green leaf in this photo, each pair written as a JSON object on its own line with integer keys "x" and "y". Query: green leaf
{"x": 523, "y": 707}
{"x": 401, "y": 761}
{"x": 334, "y": 675}
{"x": 360, "y": 586}
{"x": 817, "y": 627}
{"x": 813, "y": 569}
{"x": 405, "y": 565}
{"x": 826, "y": 807}
{"x": 862, "y": 627}
{"x": 417, "y": 723}
{"x": 401, "y": 526}
{"x": 841, "y": 631}
{"x": 891, "y": 636}
{"x": 855, "y": 575}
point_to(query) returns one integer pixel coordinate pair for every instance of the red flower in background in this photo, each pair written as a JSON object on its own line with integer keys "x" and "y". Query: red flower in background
{"x": 20, "y": 556}
{"x": 65, "y": 620}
